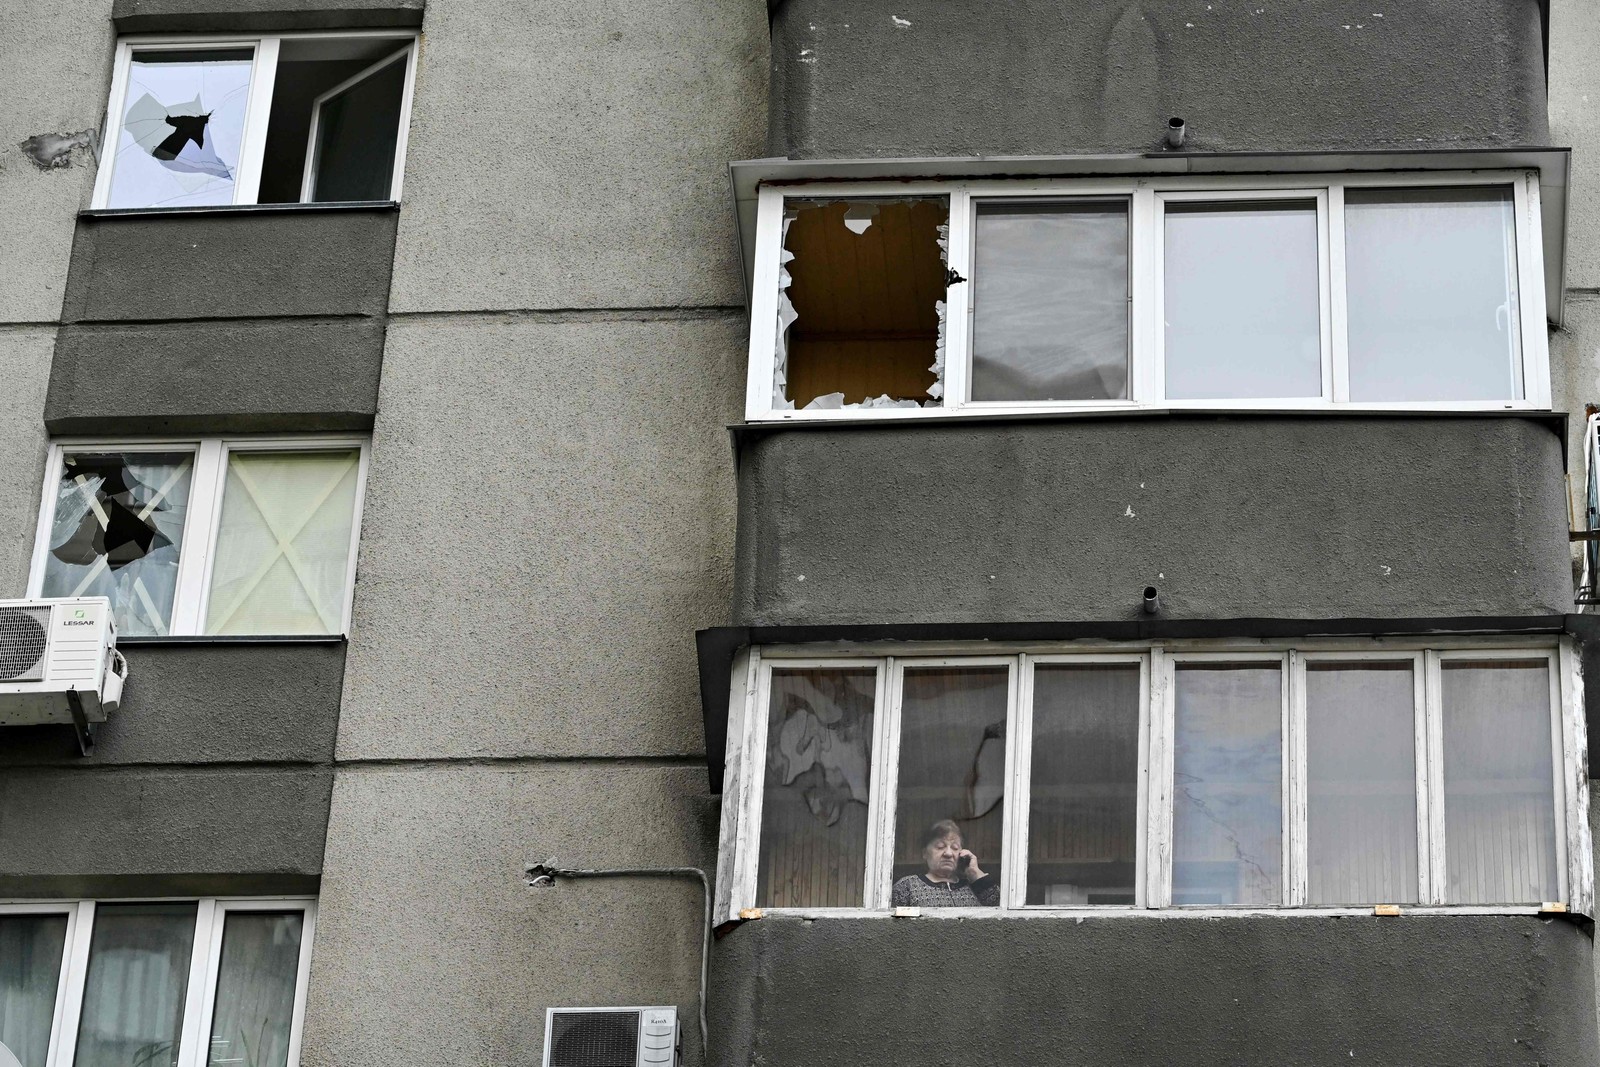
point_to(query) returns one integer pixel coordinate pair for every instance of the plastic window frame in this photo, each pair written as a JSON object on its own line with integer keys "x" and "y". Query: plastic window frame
{"x": 207, "y": 486}
{"x": 1158, "y": 660}
{"x": 1147, "y": 197}
{"x": 258, "y": 107}
{"x": 200, "y": 989}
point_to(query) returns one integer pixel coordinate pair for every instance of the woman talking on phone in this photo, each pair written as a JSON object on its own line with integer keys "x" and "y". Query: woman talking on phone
{"x": 953, "y": 878}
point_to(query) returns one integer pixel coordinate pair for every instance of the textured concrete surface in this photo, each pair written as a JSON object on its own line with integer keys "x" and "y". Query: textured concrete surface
{"x": 55, "y": 71}
{"x": 153, "y": 829}
{"x": 430, "y": 948}
{"x": 570, "y": 155}
{"x": 1422, "y": 991}
{"x": 1231, "y": 517}
{"x": 1575, "y": 383}
{"x": 217, "y": 266}
{"x": 206, "y": 703}
{"x": 195, "y": 16}
{"x": 230, "y": 376}
{"x": 1575, "y": 121}
{"x": 25, "y": 370}
{"x": 549, "y": 517}
{"x": 934, "y": 78}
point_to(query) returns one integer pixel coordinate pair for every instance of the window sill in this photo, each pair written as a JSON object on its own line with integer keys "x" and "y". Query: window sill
{"x": 240, "y": 209}
{"x": 1129, "y": 912}
{"x": 232, "y": 639}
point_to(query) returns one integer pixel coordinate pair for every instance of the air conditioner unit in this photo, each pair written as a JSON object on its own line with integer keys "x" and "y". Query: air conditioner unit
{"x": 59, "y": 662}
{"x": 611, "y": 1037}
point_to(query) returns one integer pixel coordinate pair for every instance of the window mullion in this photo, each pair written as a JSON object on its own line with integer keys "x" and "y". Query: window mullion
{"x": 199, "y": 540}
{"x": 1158, "y": 877}
{"x": 1558, "y": 769}
{"x": 302, "y": 982}
{"x": 885, "y": 781}
{"x": 1337, "y": 380}
{"x": 1574, "y": 733}
{"x": 747, "y": 862}
{"x": 738, "y": 840}
{"x": 1142, "y": 804}
{"x": 1422, "y": 746}
{"x": 1019, "y": 803}
{"x": 1532, "y": 336}
{"x": 196, "y": 1004}
{"x": 258, "y": 108}
{"x": 958, "y": 301}
{"x": 1434, "y": 713}
{"x": 764, "y": 302}
{"x": 1144, "y": 294}
{"x": 1295, "y": 835}
{"x": 75, "y": 970}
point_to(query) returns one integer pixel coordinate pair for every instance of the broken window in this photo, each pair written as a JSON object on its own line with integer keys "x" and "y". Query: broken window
{"x": 1320, "y": 774}
{"x": 213, "y": 536}
{"x": 279, "y": 120}
{"x": 861, "y": 305}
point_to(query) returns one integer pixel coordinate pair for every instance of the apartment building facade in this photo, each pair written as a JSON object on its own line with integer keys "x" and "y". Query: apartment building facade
{"x": 1126, "y": 441}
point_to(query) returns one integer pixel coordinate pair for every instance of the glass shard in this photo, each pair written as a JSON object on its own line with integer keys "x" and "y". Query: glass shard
{"x": 183, "y": 128}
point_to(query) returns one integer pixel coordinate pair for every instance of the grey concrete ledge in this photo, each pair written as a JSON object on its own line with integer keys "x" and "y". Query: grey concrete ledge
{"x": 333, "y": 207}
{"x": 205, "y": 16}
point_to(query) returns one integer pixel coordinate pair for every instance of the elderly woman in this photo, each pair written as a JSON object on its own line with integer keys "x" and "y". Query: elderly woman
{"x": 954, "y": 879}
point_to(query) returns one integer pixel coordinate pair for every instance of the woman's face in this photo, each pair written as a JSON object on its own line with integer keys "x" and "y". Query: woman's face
{"x": 941, "y": 857}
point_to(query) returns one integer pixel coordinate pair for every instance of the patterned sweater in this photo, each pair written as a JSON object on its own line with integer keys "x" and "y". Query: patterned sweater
{"x": 917, "y": 891}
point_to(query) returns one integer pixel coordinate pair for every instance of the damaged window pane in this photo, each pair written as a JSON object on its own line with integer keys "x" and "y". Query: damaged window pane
{"x": 861, "y": 304}
{"x": 814, "y": 805}
{"x": 1050, "y": 304}
{"x": 118, "y": 531}
{"x": 182, "y": 128}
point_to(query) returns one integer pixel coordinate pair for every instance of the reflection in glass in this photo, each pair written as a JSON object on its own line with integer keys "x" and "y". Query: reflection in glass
{"x": 1227, "y": 803}
{"x": 1242, "y": 300}
{"x": 283, "y": 543}
{"x": 1431, "y": 282}
{"x": 1084, "y": 785}
{"x": 134, "y": 993}
{"x": 1050, "y": 301}
{"x": 31, "y": 949}
{"x": 255, "y": 988}
{"x": 117, "y": 532}
{"x": 952, "y": 763}
{"x": 1499, "y": 789}
{"x": 814, "y": 800}
{"x": 1361, "y": 783}
{"x": 182, "y": 127}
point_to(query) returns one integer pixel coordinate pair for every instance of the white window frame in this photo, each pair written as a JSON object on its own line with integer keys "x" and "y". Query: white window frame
{"x": 1146, "y": 198}
{"x": 204, "y": 965}
{"x": 1157, "y": 660}
{"x": 258, "y": 107}
{"x": 206, "y": 489}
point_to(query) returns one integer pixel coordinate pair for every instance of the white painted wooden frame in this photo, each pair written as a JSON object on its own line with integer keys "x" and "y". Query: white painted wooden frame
{"x": 207, "y": 482}
{"x": 204, "y": 966}
{"x": 258, "y": 108}
{"x": 1146, "y": 197}
{"x": 406, "y": 55}
{"x": 746, "y": 757}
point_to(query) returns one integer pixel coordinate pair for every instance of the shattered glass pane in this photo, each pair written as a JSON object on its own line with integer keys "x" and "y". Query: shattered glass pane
{"x": 182, "y": 128}
{"x": 283, "y": 543}
{"x": 861, "y": 304}
{"x": 118, "y": 532}
{"x": 1050, "y": 305}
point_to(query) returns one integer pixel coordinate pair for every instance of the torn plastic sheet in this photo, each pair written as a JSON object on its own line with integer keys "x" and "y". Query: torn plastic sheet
{"x": 859, "y": 215}
{"x": 936, "y": 390}
{"x": 835, "y": 402}
{"x": 175, "y": 136}
{"x": 786, "y": 316}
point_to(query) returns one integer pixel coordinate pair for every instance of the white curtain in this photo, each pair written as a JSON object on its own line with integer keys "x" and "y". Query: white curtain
{"x": 31, "y": 949}
{"x": 255, "y": 989}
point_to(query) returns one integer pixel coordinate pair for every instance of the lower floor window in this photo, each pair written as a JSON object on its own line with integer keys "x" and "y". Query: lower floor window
{"x": 189, "y": 983}
{"x": 1161, "y": 776}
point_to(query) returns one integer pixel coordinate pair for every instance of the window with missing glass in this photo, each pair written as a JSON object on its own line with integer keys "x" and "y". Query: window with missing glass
{"x": 298, "y": 118}
{"x": 1196, "y": 775}
{"x": 206, "y": 536}
{"x": 177, "y": 983}
{"x": 926, "y": 299}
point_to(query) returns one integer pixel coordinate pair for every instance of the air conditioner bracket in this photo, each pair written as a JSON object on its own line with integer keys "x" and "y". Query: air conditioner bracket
{"x": 82, "y": 728}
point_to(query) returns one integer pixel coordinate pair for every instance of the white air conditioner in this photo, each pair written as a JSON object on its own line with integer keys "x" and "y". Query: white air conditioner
{"x": 611, "y": 1037}
{"x": 59, "y": 661}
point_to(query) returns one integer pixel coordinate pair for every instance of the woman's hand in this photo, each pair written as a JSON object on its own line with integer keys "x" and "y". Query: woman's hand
{"x": 971, "y": 872}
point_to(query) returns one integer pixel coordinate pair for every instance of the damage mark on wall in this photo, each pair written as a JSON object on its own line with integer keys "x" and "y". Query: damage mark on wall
{"x": 49, "y": 151}
{"x": 861, "y": 309}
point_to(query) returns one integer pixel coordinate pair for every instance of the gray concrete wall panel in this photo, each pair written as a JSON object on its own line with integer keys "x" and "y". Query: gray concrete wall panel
{"x": 1574, "y": 121}
{"x": 534, "y": 574}
{"x": 223, "y": 702}
{"x": 198, "y": 16}
{"x": 1034, "y": 77}
{"x": 151, "y": 830}
{"x": 233, "y": 376}
{"x": 1424, "y": 991}
{"x": 55, "y": 68}
{"x": 430, "y": 947}
{"x": 24, "y": 370}
{"x": 574, "y": 155}
{"x": 252, "y": 264}
{"x": 1229, "y": 517}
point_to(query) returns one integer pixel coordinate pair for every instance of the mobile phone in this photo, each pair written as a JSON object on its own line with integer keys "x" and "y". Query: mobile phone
{"x": 963, "y": 863}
